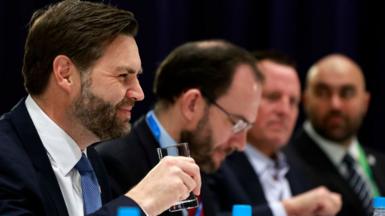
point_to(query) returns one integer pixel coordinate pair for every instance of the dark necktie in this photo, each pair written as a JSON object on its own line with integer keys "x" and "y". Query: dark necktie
{"x": 90, "y": 186}
{"x": 358, "y": 184}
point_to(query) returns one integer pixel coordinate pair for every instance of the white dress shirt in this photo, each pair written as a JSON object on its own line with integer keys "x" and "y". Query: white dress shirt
{"x": 271, "y": 174}
{"x": 63, "y": 153}
{"x": 337, "y": 152}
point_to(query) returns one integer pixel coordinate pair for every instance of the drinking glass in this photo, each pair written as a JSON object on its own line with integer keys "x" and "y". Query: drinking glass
{"x": 180, "y": 149}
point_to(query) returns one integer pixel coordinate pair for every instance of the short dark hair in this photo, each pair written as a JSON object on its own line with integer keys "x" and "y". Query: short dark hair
{"x": 78, "y": 29}
{"x": 275, "y": 56}
{"x": 206, "y": 65}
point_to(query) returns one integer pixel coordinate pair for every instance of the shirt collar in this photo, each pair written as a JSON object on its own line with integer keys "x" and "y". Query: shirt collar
{"x": 333, "y": 150}
{"x": 61, "y": 148}
{"x": 263, "y": 163}
{"x": 158, "y": 131}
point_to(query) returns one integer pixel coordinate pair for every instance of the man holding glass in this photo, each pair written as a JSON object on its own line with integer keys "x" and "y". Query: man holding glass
{"x": 208, "y": 93}
{"x": 80, "y": 68}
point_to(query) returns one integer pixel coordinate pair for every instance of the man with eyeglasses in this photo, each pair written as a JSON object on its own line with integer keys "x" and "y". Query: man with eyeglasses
{"x": 208, "y": 93}
{"x": 267, "y": 175}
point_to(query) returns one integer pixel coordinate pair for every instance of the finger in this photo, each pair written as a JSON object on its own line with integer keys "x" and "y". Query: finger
{"x": 180, "y": 158}
{"x": 337, "y": 201}
{"x": 187, "y": 180}
{"x": 192, "y": 169}
{"x": 330, "y": 205}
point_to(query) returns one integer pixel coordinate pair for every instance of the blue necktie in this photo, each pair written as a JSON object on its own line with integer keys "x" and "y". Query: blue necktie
{"x": 90, "y": 186}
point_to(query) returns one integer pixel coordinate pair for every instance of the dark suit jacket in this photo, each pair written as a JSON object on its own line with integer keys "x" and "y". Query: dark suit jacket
{"x": 325, "y": 173}
{"x": 129, "y": 159}
{"x": 237, "y": 183}
{"x": 28, "y": 185}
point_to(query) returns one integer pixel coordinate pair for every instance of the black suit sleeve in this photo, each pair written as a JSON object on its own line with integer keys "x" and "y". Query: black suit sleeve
{"x": 111, "y": 208}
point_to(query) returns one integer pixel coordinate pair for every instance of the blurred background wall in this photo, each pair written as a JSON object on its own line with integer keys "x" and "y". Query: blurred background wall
{"x": 304, "y": 29}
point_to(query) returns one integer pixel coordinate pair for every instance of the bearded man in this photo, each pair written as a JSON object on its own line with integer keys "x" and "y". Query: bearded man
{"x": 336, "y": 101}
{"x": 208, "y": 93}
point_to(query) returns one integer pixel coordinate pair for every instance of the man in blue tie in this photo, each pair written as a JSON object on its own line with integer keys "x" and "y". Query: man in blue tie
{"x": 81, "y": 68}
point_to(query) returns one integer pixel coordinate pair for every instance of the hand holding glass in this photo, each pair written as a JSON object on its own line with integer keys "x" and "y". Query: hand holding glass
{"x": 180, "y": 149}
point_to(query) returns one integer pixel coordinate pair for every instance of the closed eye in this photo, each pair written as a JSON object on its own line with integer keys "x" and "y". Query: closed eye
{"x": 127, "y": 74}
{"x": 123, "y": 76}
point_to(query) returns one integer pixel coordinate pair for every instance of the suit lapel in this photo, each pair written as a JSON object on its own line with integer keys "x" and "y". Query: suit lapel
{"x": 312, "y": 153}
{"x": 296, "y": 176}
{"x": 326, "y": 172}
{"x": 148, "y": 141}
{"x": 297, "y": 183}
{"x": 377, "y": 169}
{"x": 247, "y": 177}
{"x": 316, "y": 158}
{"x": 53, "y": 199}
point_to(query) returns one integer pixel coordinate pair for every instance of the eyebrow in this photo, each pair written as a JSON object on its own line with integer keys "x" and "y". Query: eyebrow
{"x": 324, "y": 85}
{"x": 129, "y": 70}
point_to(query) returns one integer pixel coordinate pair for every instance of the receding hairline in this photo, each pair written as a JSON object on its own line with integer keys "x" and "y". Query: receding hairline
{"x": 334, "y": 59}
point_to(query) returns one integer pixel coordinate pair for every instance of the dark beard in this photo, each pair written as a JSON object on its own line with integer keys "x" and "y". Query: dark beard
{"x": 200, "y": 144}
{"x": 349, "y": 130}
{"x": 99, "y": 116}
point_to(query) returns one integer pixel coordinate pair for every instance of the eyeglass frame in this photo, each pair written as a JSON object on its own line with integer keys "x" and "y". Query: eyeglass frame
{"x": 239, "y": 122}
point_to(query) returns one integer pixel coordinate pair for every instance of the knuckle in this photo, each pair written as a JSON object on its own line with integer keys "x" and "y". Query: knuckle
{"x": 175, "y": 172}
{"x": 181, "y": 192}
{"x": 322, "y": 191}
{"x": 168, "y": 160}
{"x": 196, "y": 168}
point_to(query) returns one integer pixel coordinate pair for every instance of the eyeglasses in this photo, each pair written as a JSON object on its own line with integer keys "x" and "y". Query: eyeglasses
{"x": 239, "y": 123}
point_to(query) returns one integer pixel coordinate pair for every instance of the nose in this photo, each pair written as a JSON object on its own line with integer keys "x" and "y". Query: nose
{"x": 335, "y": 101}
{"x": 283, "y": 106}
{"x": 238, "y": 141}
{"x": 135, "y": 92}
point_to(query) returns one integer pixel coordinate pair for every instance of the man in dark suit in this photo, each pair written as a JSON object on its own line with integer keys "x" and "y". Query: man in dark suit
{"x": 207, "y": 92}
{"x": 265, "y": 175}
{"x": 336, "y": 101}
{"x": 80, "y": 68}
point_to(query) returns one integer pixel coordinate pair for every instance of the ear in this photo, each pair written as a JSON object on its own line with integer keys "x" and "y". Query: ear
{"x": 64, "y": 72}
{"x": 192, "y": 104}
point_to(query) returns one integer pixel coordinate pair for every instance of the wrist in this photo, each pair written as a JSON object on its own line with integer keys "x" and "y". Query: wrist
{"x": 144, "y": 202}
{"x": 289, "y": 207}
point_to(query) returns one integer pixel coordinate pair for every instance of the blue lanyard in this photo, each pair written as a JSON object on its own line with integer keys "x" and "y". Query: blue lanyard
{"x": 154, "y": 128}
{"x": 198, "y": 212}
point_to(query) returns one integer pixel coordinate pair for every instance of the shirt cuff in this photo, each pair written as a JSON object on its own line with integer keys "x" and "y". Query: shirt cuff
{"x": 277, "y": 209}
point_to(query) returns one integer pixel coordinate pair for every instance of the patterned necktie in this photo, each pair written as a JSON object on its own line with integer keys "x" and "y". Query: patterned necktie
{"x": 90, "y": 186}
{"x": 358, "y": 184}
